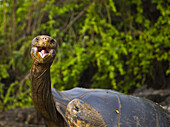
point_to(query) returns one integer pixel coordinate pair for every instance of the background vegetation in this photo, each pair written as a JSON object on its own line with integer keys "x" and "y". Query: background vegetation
{"x": 111, "y": 44}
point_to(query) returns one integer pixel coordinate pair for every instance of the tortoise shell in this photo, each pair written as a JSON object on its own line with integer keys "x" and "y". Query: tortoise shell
{"x": 107, "y": 108}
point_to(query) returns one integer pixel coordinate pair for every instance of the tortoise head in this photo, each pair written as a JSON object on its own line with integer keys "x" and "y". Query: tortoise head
{"x": 81, "y": 114}
{"x": 43, "y": 49}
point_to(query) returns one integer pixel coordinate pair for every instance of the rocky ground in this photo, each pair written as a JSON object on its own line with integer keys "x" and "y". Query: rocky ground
{"x": 29, "y": 118}
{"x": 162, "y": 97}
{"x": 21, "y": 118}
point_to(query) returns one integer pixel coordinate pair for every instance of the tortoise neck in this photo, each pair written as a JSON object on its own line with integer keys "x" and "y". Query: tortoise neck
{"x": 41, "y": 93}
{"x": 41, "y": 90}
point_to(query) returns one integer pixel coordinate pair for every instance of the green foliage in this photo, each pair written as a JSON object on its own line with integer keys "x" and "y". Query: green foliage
{"x": 120, "y": 43}
{"x": 101, "y": 44}
{"x": 22, "y": 96}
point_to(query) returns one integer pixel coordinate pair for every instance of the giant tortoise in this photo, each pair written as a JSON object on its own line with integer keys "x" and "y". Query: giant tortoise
{"x": 81, "y": 107}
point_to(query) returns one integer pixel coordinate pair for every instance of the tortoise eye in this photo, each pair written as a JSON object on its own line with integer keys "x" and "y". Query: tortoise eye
{"x": 76, "y": 108}
{"x": 52, "y": 41}
{"x": 36, "y": 39}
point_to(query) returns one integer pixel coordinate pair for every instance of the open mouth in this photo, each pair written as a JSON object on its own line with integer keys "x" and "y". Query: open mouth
{"x": 43, "y": 51}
